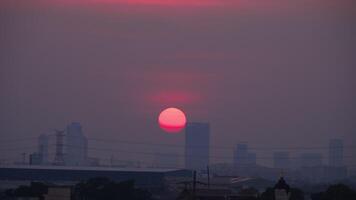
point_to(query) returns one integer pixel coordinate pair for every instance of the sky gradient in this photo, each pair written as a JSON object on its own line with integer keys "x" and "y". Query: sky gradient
{"x": 273, "y": 73}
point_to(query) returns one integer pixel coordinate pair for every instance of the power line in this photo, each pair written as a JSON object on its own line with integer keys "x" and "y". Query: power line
{"x": 119, "y": 150}
{"x": 183, "y": 146}
{"x": 211, "y": 146}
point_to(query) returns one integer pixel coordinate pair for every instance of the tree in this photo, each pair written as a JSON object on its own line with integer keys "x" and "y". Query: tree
{"x": 268, "y": 194}
{"x": 249, "y": 192}
{"x": 336, "y": 192}
{"x": 35, "y": 189}
{"x": 295, "y": 194}
{"x": 104, "y": 188}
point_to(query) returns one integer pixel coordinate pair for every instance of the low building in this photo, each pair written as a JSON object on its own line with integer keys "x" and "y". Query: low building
{"x": 144, "y": 178}
{"x": 58, "y": 193}
{"x": 281, "y": 190}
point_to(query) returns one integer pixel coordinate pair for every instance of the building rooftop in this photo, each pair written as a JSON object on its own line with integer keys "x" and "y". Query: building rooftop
{"x": 281, "y": 184}
{"x": 81, "y": 168}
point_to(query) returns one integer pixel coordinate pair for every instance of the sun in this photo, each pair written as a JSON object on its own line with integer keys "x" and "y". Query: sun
{"x": 172, "y": 120}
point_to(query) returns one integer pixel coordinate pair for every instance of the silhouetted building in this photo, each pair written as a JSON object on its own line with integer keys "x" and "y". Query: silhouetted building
{"x": 281, "y": 160}
{"x": 58, "y": 193}
{"x": 336, "y": 153}
{"x": 197, "y": 140}
{"x": 251, "y": 159}
{"x": 36, "y": 159}
{"x": 281, "y": 190}
{"x": 166, "y": 160}
{"x": 59, "y": 155}
{"x": 76, "y": 146}
{"x": 151, "y": 178}
{"x": 43, "y": 141}
{"x": 311, "y": 160}
{"x": 242, "y": 156}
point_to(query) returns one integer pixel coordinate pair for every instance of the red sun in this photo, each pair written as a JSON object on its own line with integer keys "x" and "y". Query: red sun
{"x": 172, "y": 120}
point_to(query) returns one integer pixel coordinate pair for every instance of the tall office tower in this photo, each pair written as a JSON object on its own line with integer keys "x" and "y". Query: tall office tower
{"x": 197, "y": 140}
{"x": 311, "y": 160}
{"x": 281, "y": 160}
{"x": 251, "y": 159}
{"x": 336, "y": 153}
{"x": 241, "y": 155}
{"x": 76, "y": 146}
{"x": 59, "y": 156}
{"x": 43, "y": 140}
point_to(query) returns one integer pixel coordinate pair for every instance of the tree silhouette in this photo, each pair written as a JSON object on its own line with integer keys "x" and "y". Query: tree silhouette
{"x": 336, "y": 192}
{"x": 104, "y": 188}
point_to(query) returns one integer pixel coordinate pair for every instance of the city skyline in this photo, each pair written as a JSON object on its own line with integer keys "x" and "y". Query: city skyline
{"x": 177, "y": 99}
{"x": 277, "y": 74}
{"x": 74, "y": 152}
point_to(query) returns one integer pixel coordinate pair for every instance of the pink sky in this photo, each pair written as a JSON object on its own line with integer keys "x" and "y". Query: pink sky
{"x": 251, "y": 67}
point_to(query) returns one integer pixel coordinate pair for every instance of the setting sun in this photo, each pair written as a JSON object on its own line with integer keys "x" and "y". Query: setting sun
{"x": 172, "y": 120}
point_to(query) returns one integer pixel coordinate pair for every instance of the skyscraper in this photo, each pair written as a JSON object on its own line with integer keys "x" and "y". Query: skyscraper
{"x": 281, "y": 160}
{"x": 197, "y": 140}
{"x": 43, "y": 140}
{"x": 59, "y": 156}
{"x": 336, "y": 151}
{"x": 76, "y": 146}
{"x": 311, "y": 160}
{"x": 241, "y": 155}
{"x": 251, "y": 159}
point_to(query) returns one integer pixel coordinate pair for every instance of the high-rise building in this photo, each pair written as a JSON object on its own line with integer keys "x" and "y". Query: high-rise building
{"x": 241, "y": 155}
{"x": 36, "y": 159}
{"x": 336, "y": 152}
{"x": 311, "y": 160}
{"x": 59, "y": 155}
{"x": 43, "y": 141}
{"x": 251, "y": 159}
{"x": 197, "y": 140}
{"x": 281, "y": 160}
{"x": 76, "y": 146}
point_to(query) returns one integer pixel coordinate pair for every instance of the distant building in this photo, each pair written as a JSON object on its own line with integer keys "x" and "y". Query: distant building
{"x": 242, "y": 156}
{"x": 93, "y": 162}
{"x": 281, "y": 160}
{"x": 251, "y": 159}
{"x": 36, "y": 159}
{"x": 281, "y": 190}
{"x": 166, "y": 160}
{"x": 43, "y": 141}
{"x": 336, "y": 152}
{"x": 197, "y": 140}
{"x": 311, "y": 160}
{"x": 58, "y": 175}
{"x": 76, "y": 146}
{"x": 58, "y": 193}
{"x": 59, "y": 155}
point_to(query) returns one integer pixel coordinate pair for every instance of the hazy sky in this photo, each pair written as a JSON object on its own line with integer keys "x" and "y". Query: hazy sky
{"x": 274, "y": 73}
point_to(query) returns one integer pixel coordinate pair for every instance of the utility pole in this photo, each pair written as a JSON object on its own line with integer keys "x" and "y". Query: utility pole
{"x": 194, "y": 183}
{"x": 208, "y": 171}
{"x": 23, "y": 158}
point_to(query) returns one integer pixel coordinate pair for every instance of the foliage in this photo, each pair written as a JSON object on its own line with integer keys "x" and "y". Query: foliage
{"x": 296, "y": 194}
{"x": 336, "y": 192}
{"x": 268, "y": 194}
{"x": 92, "y": 189}
{"x": 36, "y": 189}
{"x": 103, "y": 188}
{"x": 249, "y": 191}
